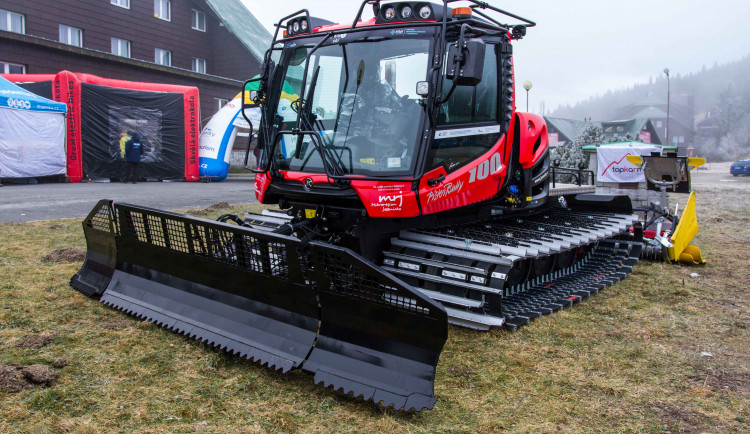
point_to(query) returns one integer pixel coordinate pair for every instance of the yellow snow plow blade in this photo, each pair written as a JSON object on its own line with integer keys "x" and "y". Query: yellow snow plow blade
{"x": 681, "y": 249}
{"x": 694, "y": 162}
{"x": 635, "y": 160}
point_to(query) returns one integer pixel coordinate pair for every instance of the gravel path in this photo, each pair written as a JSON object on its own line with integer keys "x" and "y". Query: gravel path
{"x": 23, "y": 203}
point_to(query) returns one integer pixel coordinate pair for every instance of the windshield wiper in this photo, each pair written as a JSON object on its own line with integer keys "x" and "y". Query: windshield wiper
{"x": 336, "y": 166}
{"x": 303, "y": 115}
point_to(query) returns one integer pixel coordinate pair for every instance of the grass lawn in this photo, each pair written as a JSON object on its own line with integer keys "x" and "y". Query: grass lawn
{"x": 660, "y": 351}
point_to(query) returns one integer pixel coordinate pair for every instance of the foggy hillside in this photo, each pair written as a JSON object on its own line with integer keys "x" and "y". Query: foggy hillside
{"x": 705, "y": 85}
{"x": 721, "y": 99}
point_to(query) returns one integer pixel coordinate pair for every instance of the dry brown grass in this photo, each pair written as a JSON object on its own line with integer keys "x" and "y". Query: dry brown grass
{"x": 627, "y": 360}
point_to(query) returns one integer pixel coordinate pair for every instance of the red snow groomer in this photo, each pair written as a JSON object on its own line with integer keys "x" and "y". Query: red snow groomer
{"x": 411, "y": 194}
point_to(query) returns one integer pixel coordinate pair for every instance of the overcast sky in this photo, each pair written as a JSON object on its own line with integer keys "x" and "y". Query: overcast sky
{"x": 581, "y": 48}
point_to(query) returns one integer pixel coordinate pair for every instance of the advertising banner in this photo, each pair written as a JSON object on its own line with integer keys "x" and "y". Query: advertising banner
{"x": 613, "y": 165}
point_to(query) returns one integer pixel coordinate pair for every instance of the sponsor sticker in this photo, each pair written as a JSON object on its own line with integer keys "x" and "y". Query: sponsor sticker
{"x": 454, "y": 275}
{"x": 462, "y": 132}
{"x": 444, "y": 191}
{"x": 408, "y": 266}
{"x": 19, "y": 103}
{"x": 389, "y": 202}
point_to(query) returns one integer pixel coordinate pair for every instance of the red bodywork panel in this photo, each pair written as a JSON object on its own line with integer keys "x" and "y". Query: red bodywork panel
{"x": 533, "y": 130}
{"x": 387, "y": 199}
{"x": 479, "y": 180}
{"x": 262, "y": 181}
{"x": 476, "y": 181}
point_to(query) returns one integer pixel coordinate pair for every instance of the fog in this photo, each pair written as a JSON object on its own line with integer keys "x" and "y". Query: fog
{"x": 582, "y": 48}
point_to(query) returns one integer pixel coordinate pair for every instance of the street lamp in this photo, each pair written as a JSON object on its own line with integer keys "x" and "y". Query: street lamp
{"x": 666, "y": 71}
{"x": 527, "y": 86}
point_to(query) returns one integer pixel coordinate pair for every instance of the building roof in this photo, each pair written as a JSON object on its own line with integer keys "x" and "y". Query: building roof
{"x": 243, "y": 25}
{"x": 632, "y": 126}
{"x": 651, "y": 113}
{"x": 628, "y": 144}
{"x": 569, "y": 128}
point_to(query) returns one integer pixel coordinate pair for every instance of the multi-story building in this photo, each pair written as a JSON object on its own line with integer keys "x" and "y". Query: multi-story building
{"x": 681, "y": 118}
{"x": 212, "y": 44}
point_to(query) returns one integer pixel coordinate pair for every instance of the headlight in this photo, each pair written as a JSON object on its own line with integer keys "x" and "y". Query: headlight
{"x": 389, "y": 13}
{"x": 295, "y": 28}
{"x": 406, "y": 12}
{"x": 424, "y": 12}
{"x": 304, "y": 25}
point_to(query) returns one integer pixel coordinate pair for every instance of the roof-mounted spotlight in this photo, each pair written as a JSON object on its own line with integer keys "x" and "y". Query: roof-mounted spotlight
{"x": 298, "y": 26}
{"x": 406, "y": 12}
{"x": 425, "y": 12}
{"x": 518, "y": 32}
{"x": 390, "y": 13}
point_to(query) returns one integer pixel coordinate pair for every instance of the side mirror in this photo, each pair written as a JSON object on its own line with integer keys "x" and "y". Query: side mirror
{"x": 518, "y": 32}
{"x": 250, "y": 92}
{"x": 466, "y": 64}
{"x": 423, "y": 88}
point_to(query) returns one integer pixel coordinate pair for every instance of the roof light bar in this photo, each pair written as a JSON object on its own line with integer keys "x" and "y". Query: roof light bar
{"x": 298, "y": 26}
{"x": 405, "y": 11}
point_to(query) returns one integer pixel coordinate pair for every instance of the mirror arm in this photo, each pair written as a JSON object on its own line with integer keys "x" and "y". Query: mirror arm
{"x": 450, "y": 92}
{"x": 247, "y": 150}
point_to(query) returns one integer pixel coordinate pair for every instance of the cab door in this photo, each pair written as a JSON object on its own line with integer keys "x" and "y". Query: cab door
{"x": 465, "y": 161}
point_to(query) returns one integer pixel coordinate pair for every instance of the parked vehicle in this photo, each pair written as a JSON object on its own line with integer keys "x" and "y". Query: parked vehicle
{"x": 740, "y": 167}
{"x": 411, "y": 194}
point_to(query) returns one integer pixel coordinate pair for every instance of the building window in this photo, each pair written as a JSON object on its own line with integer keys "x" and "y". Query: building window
{"x": 71, "y": 35}
{"x": 658, "y": 124}
{"x": 120, "y": 47}
{"x": 121, "y": 3}
{"x": 199, "y": 20}
{"x": 12, "y": 22}
{"x": 163, "y": 9}
{"x": 221, "y": 102}
{"x": 11, "y": 68}
{"x": 163, "y": 57}
{"x": 199, "y": 65}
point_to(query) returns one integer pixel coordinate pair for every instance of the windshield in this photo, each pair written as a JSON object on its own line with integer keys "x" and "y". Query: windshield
{"x": 366, "y": 110}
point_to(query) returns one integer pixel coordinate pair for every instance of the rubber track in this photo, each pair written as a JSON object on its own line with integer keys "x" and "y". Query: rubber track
{"x": 597, "y": 273}
{"x": 466, "y": 266}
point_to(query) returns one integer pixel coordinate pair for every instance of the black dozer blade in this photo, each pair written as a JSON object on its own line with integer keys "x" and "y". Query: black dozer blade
{"x": 264, "y": 296}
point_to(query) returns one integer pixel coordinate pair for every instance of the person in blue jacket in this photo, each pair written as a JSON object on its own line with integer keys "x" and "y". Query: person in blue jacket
{"x": 133, "y": 151}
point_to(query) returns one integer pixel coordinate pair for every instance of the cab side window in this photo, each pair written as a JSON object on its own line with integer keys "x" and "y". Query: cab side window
{"x": 458, "y": 142}
{"x": 471, "y": 104}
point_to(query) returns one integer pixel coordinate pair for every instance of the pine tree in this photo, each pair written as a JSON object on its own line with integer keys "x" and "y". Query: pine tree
{"x": 572, "y": 155}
